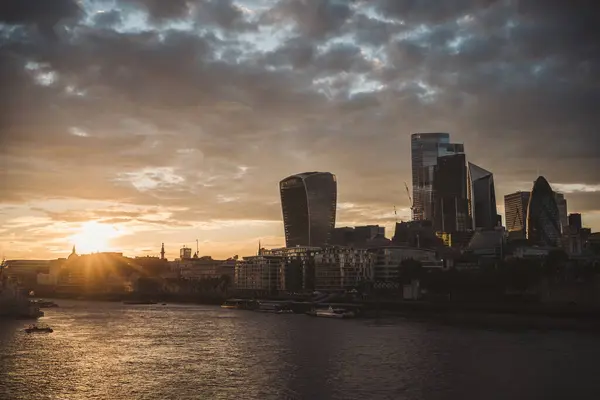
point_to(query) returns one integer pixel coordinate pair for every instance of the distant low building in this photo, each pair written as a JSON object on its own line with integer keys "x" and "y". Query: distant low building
{"x": 531, "y": 252}
{"x": 203, "y": 268}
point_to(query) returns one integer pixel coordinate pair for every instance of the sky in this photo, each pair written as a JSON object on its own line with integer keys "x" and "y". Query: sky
{"x": 125, "y": 124}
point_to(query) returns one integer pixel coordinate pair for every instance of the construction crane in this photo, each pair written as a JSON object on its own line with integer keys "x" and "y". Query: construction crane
{"x": 410, "y": 201}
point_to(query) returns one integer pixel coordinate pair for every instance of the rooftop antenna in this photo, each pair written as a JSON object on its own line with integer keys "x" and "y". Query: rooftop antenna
{"x": 395, "y": 214}
{"x": 259, "y": 250}
{"x": 197, "y": 247}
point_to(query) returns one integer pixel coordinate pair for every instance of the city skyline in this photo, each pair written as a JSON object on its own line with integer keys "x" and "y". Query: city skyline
{"x": 129, "y": 124}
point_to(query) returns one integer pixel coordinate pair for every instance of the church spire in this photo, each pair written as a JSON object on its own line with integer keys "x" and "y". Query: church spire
{"x": 162, "y": 252}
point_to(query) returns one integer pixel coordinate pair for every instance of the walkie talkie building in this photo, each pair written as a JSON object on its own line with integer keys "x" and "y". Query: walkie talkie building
{"x": 308, "y": 202}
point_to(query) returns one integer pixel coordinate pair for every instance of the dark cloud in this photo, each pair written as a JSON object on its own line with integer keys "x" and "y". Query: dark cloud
{"x": 223, "y": 13}
{"x": 108, "y": 19}
{"x": 314, "y": 18}
{"x": 163, "y": 10}
{"x": 43, "y": 14}
{"x": 296, "y": 52}
{"x": 431, "y": 11}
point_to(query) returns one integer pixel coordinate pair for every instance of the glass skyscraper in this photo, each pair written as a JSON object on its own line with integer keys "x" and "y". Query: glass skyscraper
{"x": 561, "y": 203}
{"x": 515, "y": 214}
{"x": 543, "y": 218}
{"x": 425, "y": 150}
{"x": 482, "y": 197}
{"x": 450, "y": 204}
{"x": 308, "y": 202}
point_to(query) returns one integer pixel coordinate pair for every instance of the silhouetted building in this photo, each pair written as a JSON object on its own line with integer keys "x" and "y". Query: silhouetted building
{"x": 515, "y": 214}
{"x": 543, "y": 218}
{"x": 488, "y": 243}
{"x": 308, "y": 202}
{"x": 425, "y": 150}
{"x": 185, "y": 253}
{"x": 561, "y": 203}
{"x": 451, "y": 212}
{"x": 575, "y": 222}
{"x": 482, "y": 198}
{"x": 368, "y": 232}
{"x": 419, "y": 234}
{"x": 360, "y": 236}
{"x": 342, "y": 236}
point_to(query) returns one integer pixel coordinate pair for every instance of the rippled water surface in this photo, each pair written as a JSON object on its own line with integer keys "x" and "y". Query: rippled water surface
{"x": 116, "y": 351}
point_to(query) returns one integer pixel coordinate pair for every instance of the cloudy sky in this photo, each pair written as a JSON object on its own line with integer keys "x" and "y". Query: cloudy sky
{"x": 127, "y": 123}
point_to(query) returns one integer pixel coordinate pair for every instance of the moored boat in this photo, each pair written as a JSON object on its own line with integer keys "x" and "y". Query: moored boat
{"x": 274, "y": 308}
{"x": 333, "y": 313}
{"x": 38, "y": 329}
{"x": 239, "y": 304}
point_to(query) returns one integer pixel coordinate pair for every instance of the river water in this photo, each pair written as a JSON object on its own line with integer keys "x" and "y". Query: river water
{"x": 115, "y": 351}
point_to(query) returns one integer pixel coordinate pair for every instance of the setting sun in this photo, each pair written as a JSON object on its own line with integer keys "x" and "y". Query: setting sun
{"x": 94, "y": 236}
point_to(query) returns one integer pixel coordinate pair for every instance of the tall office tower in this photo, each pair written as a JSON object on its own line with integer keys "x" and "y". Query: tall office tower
{"x": 575, "y": 222}
{"x": 450, "y": 206}
{"x": 482, "y": 198}
{"x": 308, "y": 202}
{"x": 515, "y": 214}
{"x": 425, "y": 150}
{"x": 561, "y": 203}
{"x": 543, "y": 218}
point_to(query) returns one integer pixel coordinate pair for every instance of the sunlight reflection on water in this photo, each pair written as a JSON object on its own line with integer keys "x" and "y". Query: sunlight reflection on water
{"x": 116, "y": 351}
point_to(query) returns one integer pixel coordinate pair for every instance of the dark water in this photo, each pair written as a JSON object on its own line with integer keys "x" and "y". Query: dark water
{"x": 115, "y": 351}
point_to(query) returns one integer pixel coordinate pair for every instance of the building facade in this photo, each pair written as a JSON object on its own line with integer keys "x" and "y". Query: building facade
{"x": 388, "y": 260}
{"x": 342, "y": 268}
{"x": 575, "y": 222}
{"x": 258, "y": 274}
{"x": 450, "y": 210}
{"x": 481, "y": 194}
{"x": 543, "y": 218}
{"x": 515, "y": 217}
{"x": 298, "y": 268}
{"x": 563, "y": 216}
{"x": 308, "y": 202}
{"x": 425, "y": 150}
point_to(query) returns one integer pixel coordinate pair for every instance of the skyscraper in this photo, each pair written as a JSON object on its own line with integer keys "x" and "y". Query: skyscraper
{"x": 575, "y": 222}
{"x": 308, "y": 202}
{"x": 561, "y": 203}
{"x": 425, "y": 150}
{"x": 543, "y": 219}
{"x": 515, "y": 214}
{"x": 482, "y": 197}
{"x": 450, "y": 208}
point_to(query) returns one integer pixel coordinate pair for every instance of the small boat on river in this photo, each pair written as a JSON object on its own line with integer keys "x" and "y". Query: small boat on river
{"x": 239, "y": 304}
{"x": 38, "y": 329}
{"x": 274, "y": 308}
{"x": 332, "y": 313}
